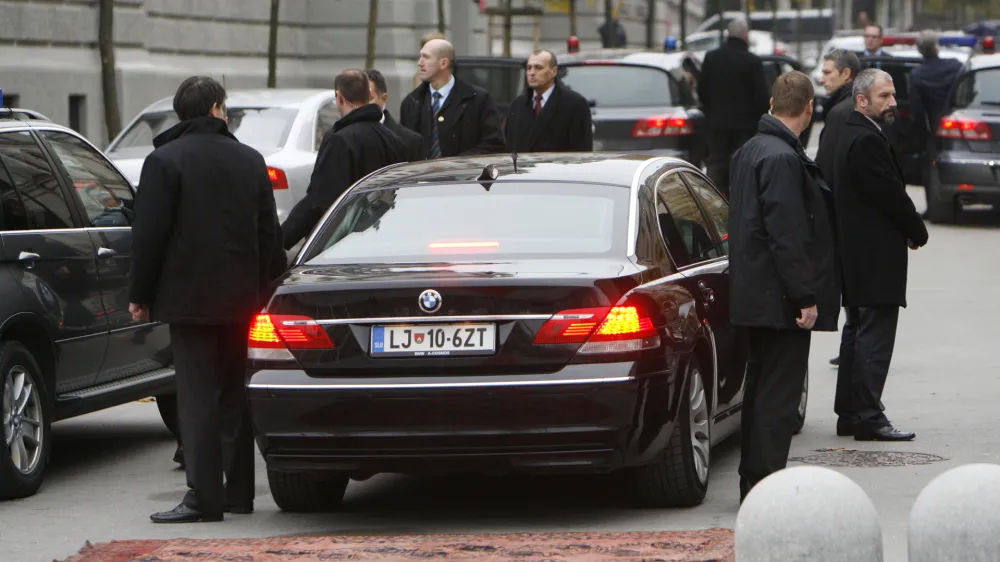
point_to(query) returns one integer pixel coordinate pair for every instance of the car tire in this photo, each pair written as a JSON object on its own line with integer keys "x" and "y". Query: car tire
{"x": 939, "y": 211}
{"x": 25, "y": 422}
{"x": 800, "y": 419}
{"x": 167, "y": 405}
{"x": 307, "y": 492}
{"x": 680, "y": 477}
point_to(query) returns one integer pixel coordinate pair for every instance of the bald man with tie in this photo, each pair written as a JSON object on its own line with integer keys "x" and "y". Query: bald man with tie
{"x": 548, "y": 116}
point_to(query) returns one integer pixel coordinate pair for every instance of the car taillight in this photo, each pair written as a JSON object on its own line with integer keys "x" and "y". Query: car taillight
{"x": 968, "y": 129}
{"x": 662, "y": 126}
{"x": 272, "y": 336}
{"x": 617, "y": 329}
{"x": 278, "y": 178}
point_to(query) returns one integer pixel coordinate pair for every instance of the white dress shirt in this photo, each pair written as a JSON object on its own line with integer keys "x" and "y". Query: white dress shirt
{"x": 445, "y": 91}
{"x": 545, "y": 96}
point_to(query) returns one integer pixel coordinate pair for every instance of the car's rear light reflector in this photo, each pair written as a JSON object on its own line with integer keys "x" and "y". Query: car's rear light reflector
{"x": 662, "y": 126}
{"x": 965, "y": 187}
{"x": 968, "y": 129}
{"x": 272, "y": 336}
{"x": 618, "y": 329}
{"x": 278, "y": 178}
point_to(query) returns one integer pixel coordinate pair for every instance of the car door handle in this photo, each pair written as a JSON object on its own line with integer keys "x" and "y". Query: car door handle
{"x": 105, "y": 252}
{"x": 28, "y": 259}
{"x": 707, "y": 292}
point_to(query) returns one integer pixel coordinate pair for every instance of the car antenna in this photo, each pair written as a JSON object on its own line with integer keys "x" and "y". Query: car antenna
{"x": 513, "y": 156}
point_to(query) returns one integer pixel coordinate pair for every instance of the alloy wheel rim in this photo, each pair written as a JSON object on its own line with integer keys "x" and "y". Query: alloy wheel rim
{"x": 700, "y": 444}
{"x": 22, "y": 420}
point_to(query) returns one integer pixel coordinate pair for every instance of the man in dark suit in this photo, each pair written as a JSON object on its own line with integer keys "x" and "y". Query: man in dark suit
{"x": 783, "y": 280}
{"x": 412, "y": 141}
{"x": 876, "y": 222}
{"x": 735, "y": 95}
{"x": 455, "y": 118}
{"x": 548, "y": 116}
{"x": 206, "y": 273}
{"x": 357, "y": 145}
{"x": 840, "y": 67}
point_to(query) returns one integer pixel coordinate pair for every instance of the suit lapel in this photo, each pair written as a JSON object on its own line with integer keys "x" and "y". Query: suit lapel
{"x": 453, "y": 108}
{"x": 550, "y": 108}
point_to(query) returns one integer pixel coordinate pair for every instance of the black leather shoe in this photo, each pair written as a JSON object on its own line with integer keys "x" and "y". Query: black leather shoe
{"x": 184, "y": 514}
{"x": 835, "y": 361}
{"x": 845, "y": 429}
{"x": 884, "y": 433}
{"x": 240, "y": 509}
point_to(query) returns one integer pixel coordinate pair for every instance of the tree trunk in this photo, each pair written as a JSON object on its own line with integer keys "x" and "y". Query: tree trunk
{"x": 650, "y": 24}
{"x": 272, "y": 47}
{"x": 508, "y": 30}
{"x": 372, "y": 23}
{"x": 441, "y": 22}
{"x": 572, "y": 18}
{"x": 684, "y": 24}
{"x": 109, "y": 82}
{"x": 608, "y": 38}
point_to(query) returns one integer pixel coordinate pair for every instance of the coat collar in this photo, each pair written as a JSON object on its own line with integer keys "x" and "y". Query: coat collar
{"x": 370, "y": 112}
{"x": 460, "y": 91}
{"x": 202, "y": 125}
{"x": 770, "y": 125}
{"x": 859, "y": 120}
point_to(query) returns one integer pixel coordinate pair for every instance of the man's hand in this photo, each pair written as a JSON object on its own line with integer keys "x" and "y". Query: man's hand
{"x": 139, "y": 312}
{"x": 912, "y": 245}
{"x": 808, "y": 318}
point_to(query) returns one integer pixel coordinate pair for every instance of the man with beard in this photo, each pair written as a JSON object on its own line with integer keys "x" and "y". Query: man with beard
{"x": 876, "y": 223}
{"x": 840, "y": 68}
{"x": 357, "y": 145}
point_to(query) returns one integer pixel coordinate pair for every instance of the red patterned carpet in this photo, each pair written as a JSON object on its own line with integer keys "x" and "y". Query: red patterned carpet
{"x": 665, "y": 546}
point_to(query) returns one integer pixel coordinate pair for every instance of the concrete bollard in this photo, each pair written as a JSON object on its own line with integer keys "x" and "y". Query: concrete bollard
{"x": 808, "y": 514}
{"x": 957, "y": 517}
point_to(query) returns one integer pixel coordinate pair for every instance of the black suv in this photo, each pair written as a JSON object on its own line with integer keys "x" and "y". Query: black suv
{"x": 68, "y": 345}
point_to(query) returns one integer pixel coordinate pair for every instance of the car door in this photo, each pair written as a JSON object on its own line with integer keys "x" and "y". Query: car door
{"x": 700, "y": 257}
{"x": 906, "y": 136}
{"x": 52, "y": 258}
{"x": 105, "y": 199}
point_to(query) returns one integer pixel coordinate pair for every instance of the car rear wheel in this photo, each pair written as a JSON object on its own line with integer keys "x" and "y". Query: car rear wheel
{"x": 26, "y": 421}
{"x": 680, "y": 477}
{"x": 167, "y": 405}
{"x": 939, "y": 210}
{"x": 307, "y": 492}
{"x": 800, "y": 421}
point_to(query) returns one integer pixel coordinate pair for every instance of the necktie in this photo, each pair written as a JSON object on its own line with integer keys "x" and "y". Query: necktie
{"x": 538, "y": 104}
{"x": 435, "y": 142}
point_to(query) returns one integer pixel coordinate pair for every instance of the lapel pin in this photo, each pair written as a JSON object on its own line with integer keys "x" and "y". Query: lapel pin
{"x": 441, "y": 119}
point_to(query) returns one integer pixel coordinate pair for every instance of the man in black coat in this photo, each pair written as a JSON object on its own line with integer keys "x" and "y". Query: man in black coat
{"x": 876, "y": 223}
{"x": 413, "y": 143}
{"x": 548, "y": 116}
{"x": 840, "y": 67}
{"x": 455, "y": 118}
{"x": 734, "y": 94}
{"x": 206, "y": 246}
{"x": 931, "y": 84}
{"x": 357, "y": 145}
{"x": 782, "y": 276}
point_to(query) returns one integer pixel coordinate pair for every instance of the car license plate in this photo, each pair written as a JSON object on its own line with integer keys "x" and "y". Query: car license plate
{"x": 433, "y": 340}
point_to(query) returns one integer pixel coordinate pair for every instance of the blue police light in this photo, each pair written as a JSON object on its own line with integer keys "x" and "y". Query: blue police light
{"x": 956, "y": 41}
{"x": 669, "y": 44}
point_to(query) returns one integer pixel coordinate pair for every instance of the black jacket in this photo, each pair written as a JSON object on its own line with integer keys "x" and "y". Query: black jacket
{"x": 732, "y": 88}
{"x": 930, "y": 85}
{"x": 837, "y": 109}
{"x": 564, "y": 125}
{"x": 413, "y": 143}
{"x": 468, "y": 121}
{"x": 205, "y": 237}
{"x": 357, "y": 145}
{"x": 782, "y": 255}
{"x": 875, "y": 217}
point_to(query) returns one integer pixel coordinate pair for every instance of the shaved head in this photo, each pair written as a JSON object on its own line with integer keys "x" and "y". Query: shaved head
{"x": 437, "y": 61}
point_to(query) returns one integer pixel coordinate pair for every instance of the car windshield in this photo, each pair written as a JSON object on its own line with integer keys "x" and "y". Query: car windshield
{"x": 979, "y": 89}
{"x": 264, "y": 128}
{"x": 602, "y": 83}
{"x": 443, "y": 222}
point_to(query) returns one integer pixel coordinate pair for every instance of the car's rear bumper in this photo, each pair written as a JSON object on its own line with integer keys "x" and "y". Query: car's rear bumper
{"x": 971, "y": 177}
{"x": 585, "y": 417}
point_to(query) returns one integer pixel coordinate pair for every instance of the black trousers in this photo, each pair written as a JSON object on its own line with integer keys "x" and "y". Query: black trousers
{"x": 215, "y": 424}
{"x": 777, "y": 362}
{"x": 866, "y": 346}
{"x": 721, "y": 146}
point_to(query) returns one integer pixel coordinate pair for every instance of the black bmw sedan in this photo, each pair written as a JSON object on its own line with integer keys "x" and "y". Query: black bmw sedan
{"x": 550, "y": 313}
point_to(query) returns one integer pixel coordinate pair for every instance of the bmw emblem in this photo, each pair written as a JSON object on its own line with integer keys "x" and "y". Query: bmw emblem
{"x": 429, "y": 301}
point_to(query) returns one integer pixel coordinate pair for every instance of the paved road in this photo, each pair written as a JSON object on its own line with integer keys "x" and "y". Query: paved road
{"x": 111, "y": 469}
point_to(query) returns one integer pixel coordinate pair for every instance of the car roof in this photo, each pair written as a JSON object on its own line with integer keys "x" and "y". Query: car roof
{"x": 601, "y": 168}
{"x": 263, "y": 97}
{"x": 982, "y": 61}
{"x": 637, "y": 57}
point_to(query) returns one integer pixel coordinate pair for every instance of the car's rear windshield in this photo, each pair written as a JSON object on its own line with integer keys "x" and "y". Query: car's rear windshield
{"x": 443, "y": 222}
{"x": 620, "y": 85}
{"x": 979, "y": 89}
{"x": 263, "y": 128}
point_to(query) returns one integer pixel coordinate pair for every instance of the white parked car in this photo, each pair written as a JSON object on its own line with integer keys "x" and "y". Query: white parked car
{"x": 761, "y": 43}
{"x": 285, "y": 126}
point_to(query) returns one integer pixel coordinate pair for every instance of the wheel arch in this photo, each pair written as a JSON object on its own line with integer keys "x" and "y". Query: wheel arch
{"x": 30, "y": 331}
